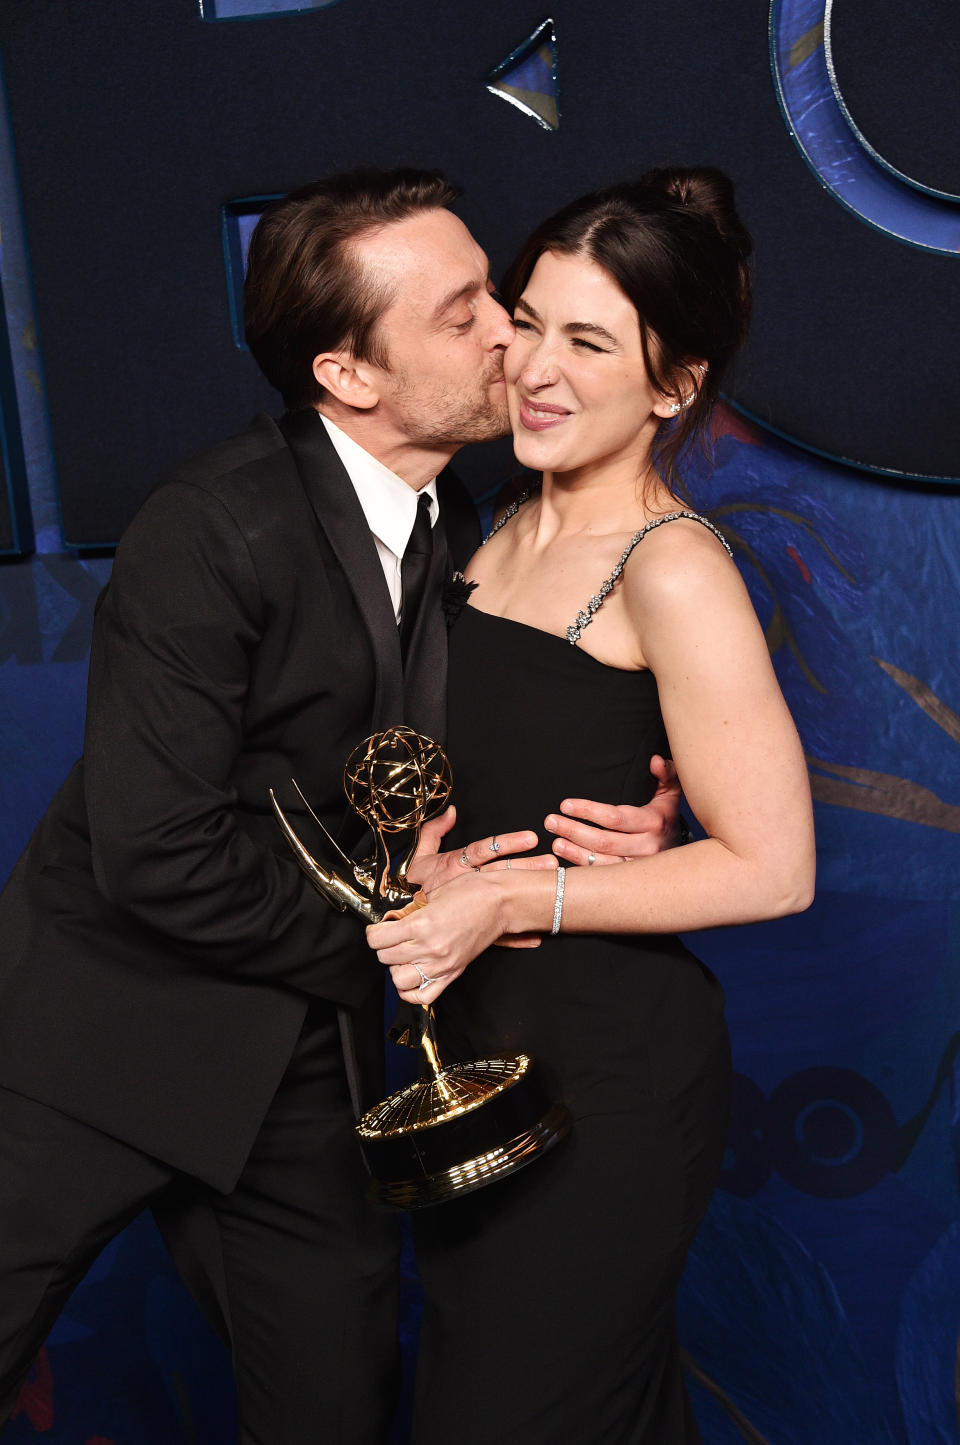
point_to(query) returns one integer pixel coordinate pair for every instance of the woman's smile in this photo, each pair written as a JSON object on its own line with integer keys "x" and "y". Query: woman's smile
{"x": 539, "y": 415}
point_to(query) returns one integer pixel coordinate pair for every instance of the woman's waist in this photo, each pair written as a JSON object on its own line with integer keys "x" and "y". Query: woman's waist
{"x": 580, "y": 984}
{"x": 609, "y": 1019}
{"x": 507, "y": 799}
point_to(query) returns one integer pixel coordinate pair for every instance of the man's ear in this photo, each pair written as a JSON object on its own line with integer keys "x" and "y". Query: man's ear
{"x": 353, "y": 383}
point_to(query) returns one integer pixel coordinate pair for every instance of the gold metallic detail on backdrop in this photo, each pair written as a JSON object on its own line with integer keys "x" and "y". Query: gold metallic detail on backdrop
{"x": 869, "y": 792}
{"x": 924, "y": 697}
{"x": 528, "y": 79}
{"x": 801, "y": 49}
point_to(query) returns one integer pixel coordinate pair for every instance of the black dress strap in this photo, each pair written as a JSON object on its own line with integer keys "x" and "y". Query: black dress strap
{"x": 586, "y": 616}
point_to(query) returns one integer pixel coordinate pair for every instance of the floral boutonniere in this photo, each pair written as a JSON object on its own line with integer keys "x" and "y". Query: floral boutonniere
{"x": 455, "y": 596}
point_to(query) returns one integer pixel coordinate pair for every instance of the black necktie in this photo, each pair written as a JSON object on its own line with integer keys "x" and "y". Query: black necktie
{"x": 414, "y": 566}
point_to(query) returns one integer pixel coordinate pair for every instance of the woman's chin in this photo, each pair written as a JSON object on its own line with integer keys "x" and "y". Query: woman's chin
{"x": 530, "y": 451}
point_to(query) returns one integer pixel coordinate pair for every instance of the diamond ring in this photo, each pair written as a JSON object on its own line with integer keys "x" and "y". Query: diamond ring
{"x": 464, "y": 860}
{"x": 425, "y": 982}
{"x": 591, "y": 859}
{"x": 493, "y": 845}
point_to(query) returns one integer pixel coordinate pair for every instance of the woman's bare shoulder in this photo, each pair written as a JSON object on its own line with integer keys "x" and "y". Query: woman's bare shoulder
{"x": 676, "y": 556}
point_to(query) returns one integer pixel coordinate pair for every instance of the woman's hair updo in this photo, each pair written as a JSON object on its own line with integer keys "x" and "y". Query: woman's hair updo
{"x": 674, "y": 244}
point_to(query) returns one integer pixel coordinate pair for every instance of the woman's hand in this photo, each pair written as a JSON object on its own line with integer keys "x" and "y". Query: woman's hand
{"x": 432, "y": 869}
{"x": 622, "y": 832}
{"x": 438, "y": 941}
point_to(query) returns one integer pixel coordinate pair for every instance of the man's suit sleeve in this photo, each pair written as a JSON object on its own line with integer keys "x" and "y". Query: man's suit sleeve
{"x": 169, "y": 670}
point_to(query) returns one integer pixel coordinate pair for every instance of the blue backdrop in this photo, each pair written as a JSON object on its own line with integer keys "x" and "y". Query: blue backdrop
{"x": 822, "y": 1299}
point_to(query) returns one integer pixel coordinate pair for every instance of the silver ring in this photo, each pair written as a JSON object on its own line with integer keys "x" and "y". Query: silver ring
{"x": 624, "y": 858}
{"x": 509, "y": 861}
{"x": 493, "y": 845}
{"x": 464, "y": 860}
{"x": 591, "y": 859}
{"x": 424, "y": 981}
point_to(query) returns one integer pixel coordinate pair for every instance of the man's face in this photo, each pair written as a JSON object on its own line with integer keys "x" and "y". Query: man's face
{"x": 444, "y": 333}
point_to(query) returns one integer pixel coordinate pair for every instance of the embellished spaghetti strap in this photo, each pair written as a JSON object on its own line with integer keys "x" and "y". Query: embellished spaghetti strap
{"x": 511, "y": 511}
{"x": 586, "y": 616}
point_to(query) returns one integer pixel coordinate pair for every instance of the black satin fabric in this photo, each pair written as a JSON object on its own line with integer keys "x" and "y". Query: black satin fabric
{"x": 549, "y": 1296}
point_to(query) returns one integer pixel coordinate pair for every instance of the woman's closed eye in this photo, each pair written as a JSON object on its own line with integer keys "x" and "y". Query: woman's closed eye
{"x": 579, "y": 343}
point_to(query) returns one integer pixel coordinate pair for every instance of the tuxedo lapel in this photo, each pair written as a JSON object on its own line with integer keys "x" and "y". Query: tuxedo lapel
{"x": 335, "y": 503}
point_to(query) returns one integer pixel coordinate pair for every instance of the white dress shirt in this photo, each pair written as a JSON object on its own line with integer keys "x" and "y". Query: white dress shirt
{"x": 389, "y": 504}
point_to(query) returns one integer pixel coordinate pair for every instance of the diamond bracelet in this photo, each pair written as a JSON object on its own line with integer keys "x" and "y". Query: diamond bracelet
{"x": 558, "y": 902}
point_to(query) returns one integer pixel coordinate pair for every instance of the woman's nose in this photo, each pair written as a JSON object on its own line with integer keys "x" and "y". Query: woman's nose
{"x": 540, "y": 367}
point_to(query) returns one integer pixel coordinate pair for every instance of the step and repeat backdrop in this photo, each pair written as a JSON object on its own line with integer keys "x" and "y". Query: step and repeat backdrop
{"x": 138, "y": 143}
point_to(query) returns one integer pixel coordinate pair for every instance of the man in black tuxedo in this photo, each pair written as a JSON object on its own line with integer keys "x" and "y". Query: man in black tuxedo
{"x": 184, "y": 1023}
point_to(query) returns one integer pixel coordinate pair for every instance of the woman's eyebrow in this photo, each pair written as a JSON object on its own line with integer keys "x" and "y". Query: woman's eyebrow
{"x": 525, "y": 306}
{"x": 592, "y": 329}
{"x": 572, "y": 328}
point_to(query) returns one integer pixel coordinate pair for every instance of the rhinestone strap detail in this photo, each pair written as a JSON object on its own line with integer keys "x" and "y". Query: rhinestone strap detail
{"x": 511, "y": 511}
{"x": 585, "y": 617}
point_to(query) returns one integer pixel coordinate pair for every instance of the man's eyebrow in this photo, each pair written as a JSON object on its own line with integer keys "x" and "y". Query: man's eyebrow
{"x": 572, "y": 328}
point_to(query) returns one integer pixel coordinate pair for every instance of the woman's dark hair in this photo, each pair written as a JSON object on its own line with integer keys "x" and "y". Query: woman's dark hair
{"x": 305, "y": 290}
{"x": 674, "y": 244}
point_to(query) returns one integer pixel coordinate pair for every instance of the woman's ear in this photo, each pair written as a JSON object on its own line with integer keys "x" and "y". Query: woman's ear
{"x": 688, "y": 381}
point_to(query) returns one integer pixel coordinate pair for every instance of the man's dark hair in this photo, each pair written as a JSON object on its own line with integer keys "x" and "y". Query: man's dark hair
{"x": 305, "y": 290}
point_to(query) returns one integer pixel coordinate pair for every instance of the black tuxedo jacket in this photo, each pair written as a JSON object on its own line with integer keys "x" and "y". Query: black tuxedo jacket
{"x": 158, "y": 945}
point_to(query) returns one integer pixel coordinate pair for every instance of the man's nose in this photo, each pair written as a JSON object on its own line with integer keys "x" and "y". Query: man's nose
{"x": 500, "y": 330}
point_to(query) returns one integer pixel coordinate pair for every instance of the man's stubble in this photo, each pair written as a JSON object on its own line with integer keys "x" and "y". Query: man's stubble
{"x": 440, "y": 416}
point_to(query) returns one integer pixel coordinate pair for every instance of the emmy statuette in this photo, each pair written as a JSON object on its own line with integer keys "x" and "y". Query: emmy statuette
{"x": 467, "y": 1124}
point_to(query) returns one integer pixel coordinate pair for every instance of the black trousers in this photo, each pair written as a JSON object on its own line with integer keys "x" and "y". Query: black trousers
{"x": 298, "y": 1272}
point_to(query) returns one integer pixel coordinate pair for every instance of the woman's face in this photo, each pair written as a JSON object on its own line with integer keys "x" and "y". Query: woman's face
{"x": 577, "y": 387}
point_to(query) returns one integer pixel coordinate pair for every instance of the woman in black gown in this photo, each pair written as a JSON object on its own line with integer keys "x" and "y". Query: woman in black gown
{"x": 608, "y": 623}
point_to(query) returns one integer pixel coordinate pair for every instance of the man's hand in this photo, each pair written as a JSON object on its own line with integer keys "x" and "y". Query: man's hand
{"x": 623, "y": 832}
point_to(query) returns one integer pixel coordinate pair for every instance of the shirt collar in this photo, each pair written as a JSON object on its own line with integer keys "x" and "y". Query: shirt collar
{"x": 389, "y": 503}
